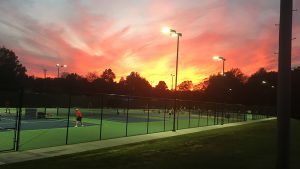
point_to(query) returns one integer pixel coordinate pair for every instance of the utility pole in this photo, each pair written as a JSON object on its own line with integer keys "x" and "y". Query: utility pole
{"x": 284, "y": 84}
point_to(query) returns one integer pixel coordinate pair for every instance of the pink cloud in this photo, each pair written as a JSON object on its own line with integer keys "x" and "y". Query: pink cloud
{"x": 88, "y": 40}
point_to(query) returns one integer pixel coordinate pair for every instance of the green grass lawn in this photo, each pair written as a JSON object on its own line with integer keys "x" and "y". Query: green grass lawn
{"x": 242, "y": 147}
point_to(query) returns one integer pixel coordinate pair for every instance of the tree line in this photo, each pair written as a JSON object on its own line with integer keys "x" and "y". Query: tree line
{"x": 233, "y": 87}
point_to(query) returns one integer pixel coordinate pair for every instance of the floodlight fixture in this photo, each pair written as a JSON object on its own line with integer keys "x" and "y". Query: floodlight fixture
{"x": 58, "y": 67}
{"x": 220, "y": 58}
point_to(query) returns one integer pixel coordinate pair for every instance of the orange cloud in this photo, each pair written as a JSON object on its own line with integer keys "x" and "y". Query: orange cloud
{"x": 94, "y": 35}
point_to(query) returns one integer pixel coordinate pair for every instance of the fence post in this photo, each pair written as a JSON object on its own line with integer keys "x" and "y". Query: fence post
{"x": 207, "y": 112}
{"x": 57, "y": 109}
{"x": 16, "y": 129}
{"x": 177, "y": 120}
{"x": 19, "y": 114}
{"x": 245, "y": 113}
{"x": 217, "y": 114}
{"x": 68, "y": 122}
{"x": 174, "y": 115}
{"x": 101, "y": 117}
{"x": 222, "y": 119}
{"x": 126, "y": 134}
{"x": 189, "y": 117}
{"x": 165, "y": 117}
{"x": 148, "y": 118}
{"x": 199, "y": 116}
{"x": 228, "y": 117}
{"x": 214, "y": 116}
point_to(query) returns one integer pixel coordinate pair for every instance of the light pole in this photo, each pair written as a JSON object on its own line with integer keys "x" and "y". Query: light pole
{"x": 268, "y": 88}
{"x": 58, "y": 67}
{"x": 174, "y": 33}
{"x": 265, "y": 92}
{"x": 45, "y": 73}
{"x": 219, "y": 58}
{"x": 172, "y": 81}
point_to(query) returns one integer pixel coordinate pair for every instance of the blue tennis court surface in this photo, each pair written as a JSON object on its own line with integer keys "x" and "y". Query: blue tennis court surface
{"x": 35, "y": 124}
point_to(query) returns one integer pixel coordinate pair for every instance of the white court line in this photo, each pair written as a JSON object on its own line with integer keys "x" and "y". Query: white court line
{"x": 41, "y": 121}
{"x": 38, "y": 121}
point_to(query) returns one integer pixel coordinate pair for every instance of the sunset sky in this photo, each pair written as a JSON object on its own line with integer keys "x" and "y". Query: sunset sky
{"x": 125, "y": 35}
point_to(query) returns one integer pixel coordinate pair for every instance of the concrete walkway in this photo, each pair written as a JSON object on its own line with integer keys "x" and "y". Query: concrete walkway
{"x": 14, "y": 157}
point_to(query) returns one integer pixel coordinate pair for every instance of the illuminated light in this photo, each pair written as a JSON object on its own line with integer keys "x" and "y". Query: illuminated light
{"x": 58, "y": 65}
{"x": 263, "y": 82}
{"x": 166, "y": 30}
{"x": 216, "y": 58}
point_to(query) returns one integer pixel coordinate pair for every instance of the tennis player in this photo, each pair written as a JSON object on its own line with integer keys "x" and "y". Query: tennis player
{"x": 78, "y": 115}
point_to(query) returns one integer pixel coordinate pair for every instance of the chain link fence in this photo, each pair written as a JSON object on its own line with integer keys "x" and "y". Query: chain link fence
{"x": 35, "y": 120}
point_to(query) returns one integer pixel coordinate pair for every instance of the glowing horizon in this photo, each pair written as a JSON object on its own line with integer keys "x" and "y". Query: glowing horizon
{"x": 126, "y": 36}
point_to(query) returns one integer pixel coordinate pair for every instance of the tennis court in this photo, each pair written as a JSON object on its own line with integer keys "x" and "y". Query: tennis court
{"x": 46, "y": 122}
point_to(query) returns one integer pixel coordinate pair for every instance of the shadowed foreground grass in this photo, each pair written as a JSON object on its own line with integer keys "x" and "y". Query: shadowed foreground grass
{"x": 241, "y": 147}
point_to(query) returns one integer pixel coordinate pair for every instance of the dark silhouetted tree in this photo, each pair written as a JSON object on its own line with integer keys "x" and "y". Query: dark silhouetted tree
{"x": 185, "y": 86}
{"x": 228, "y": 88}
{"x": 137, "y": 85}
{"x": 75, "y": 83}
{"x": 261, "y": 88}
{"x": 162, "y": 86}
{"x": 91, "y": 76}
{"x": 108, "y": 75}
{"x": 64, "y": 75}
{"x": 237, "y": 74}
{"x": 199, "y": 87}
{"x": 74, "y": 77}
{"x": 12, "y": 72}
{"x": 122, "y": 81}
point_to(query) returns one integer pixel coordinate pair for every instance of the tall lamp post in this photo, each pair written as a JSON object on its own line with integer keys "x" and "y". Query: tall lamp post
{"x": 172, "y": 81}
{"x": 267, "y": 87}
{"x": 174, "y": 33}
{"x": 58, "y": 67}
{"x": 219, "y": 58}
{"x": 45, "y": 73}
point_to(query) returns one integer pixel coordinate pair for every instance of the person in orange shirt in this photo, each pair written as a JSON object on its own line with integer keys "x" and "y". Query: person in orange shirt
{"x": 78, "y": 115}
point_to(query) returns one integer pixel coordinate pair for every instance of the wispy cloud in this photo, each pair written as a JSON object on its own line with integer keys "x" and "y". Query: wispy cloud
{"x": 125, "y": 36}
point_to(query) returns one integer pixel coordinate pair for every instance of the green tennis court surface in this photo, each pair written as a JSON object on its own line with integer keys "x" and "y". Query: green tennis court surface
{"x": 231, "y": 147}
{"x": 52, "y": 129}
